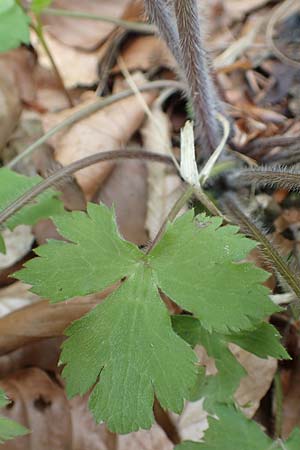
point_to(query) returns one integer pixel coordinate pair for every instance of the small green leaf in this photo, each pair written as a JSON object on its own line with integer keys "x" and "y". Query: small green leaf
{"x": 37, "y": 6}
{"x": 128, "y": 340}
{"x": 199, "y": 268}
{"x": 13, "y": 185}
{"x": 8, "y": 428}
{"x": 222, "y": 386}
{"x": 14, "y": 25}
{"x": 231, "y": 431}
{"x": 2, "y": 245}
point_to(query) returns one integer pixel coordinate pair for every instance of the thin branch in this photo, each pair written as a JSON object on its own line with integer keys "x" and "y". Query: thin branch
{"x": 196, "y": 65}
{"x": 90, "y": 109}
{"x": 248, "y": 226}
{"x": 126, "y": 24}
{"x": 28, "y": 196}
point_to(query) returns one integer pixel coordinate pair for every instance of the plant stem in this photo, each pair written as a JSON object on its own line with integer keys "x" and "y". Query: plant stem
{"x": 40, "y": 34}
{"x": 28, "y": 196}
{"x": 267, "y": 248}
{"x": 160, "y": 13}
{"x": 195, "y": 63}
{"x": 128, "y": 25}
{"x": 90, "y": 109}
{"x": 176, "y": 208}
{"x": 278, "y": 400}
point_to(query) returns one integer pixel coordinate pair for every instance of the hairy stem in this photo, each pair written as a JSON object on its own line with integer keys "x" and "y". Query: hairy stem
{"x": 90, "y": 109}
{"x": 196, "y": 64}
{"x": 40, "y": 34}
{"x": 234, "y": 209}
{"x": 161, "y": 14}
{"x": 271, "y": 176}
{"x": 60, "y": 174}
{"x": 138, "y": 27}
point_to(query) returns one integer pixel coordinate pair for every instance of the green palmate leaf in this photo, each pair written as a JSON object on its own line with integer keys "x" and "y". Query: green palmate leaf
{"x": 264, "y": 341}
{"x": 8, "y": 428}
{"x": 14, "y": 25}
{"x": 12, "y": 186}
{"x": 37, "y": 6}
{"x": 232, "y": 430}
{"x": 129, "y": 339}
{"x": 293, "y": 442}
{"x": 222, "y": 386}
{"x": 96, "y": 258}
{"x": 197, "y": 267}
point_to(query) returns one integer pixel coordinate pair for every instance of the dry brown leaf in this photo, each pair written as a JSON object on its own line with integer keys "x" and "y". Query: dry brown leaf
{"x": 237, "y": 9}
{"x": 19, "y": 64}
{"x": 145, "y": 53}
{"x": 163, "y": 185}
{"x": 108, "y": 129}
{"x": 18, "y": 243}
{"x": 77, "y": 67}
{"x": 154, "y": 439}
{"x": 10, "y": 105}
{"x": 14, "y": 297}
{"x": 43, "y": 320}
{"x": 255, "y": 385}
{"x": 92, "y": 32}
{"x": 126, "y": 190}
{"x": 40, "y": 404}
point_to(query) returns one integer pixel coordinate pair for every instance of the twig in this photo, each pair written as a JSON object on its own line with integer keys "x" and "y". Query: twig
{"x": 90, "y": 109}
{"x": 28, "y": 196}
{"x": 128, "y": 25}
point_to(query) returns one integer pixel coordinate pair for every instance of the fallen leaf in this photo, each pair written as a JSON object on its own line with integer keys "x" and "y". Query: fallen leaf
{"x": 153, "y": 439}
{"x": 164, "y": 186}
{"x": 10, "y": 105}
{"x": 43, "y": 320}
{"x": 126, "y": 191}
{"x": 18, "y": 243}
{"x": 92, "y": 32}
{"x": 40, "y": 404}
{"x": 107, "y": 129}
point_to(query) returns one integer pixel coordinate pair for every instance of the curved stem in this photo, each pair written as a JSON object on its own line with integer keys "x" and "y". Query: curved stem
{"x": 90, "y": 109}
{"x": 70, "y": 169}
{"x": 128, "y": 25}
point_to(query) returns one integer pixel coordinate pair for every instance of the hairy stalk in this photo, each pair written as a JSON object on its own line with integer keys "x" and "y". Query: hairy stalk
{"x": 196, "y": 64}
{"x": 40, "y": 34}
{"x": 62, "y": 173}
{"x": 90, "y": 109}
{"x": 137, "y": 27}
{"x": 161, "y": 14}
{"x": 279, "y": 176}
{"x": 234, "y": 210}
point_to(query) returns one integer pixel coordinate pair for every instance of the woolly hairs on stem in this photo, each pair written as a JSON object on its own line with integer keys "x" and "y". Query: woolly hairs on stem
{"x": 184, "y": 36}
